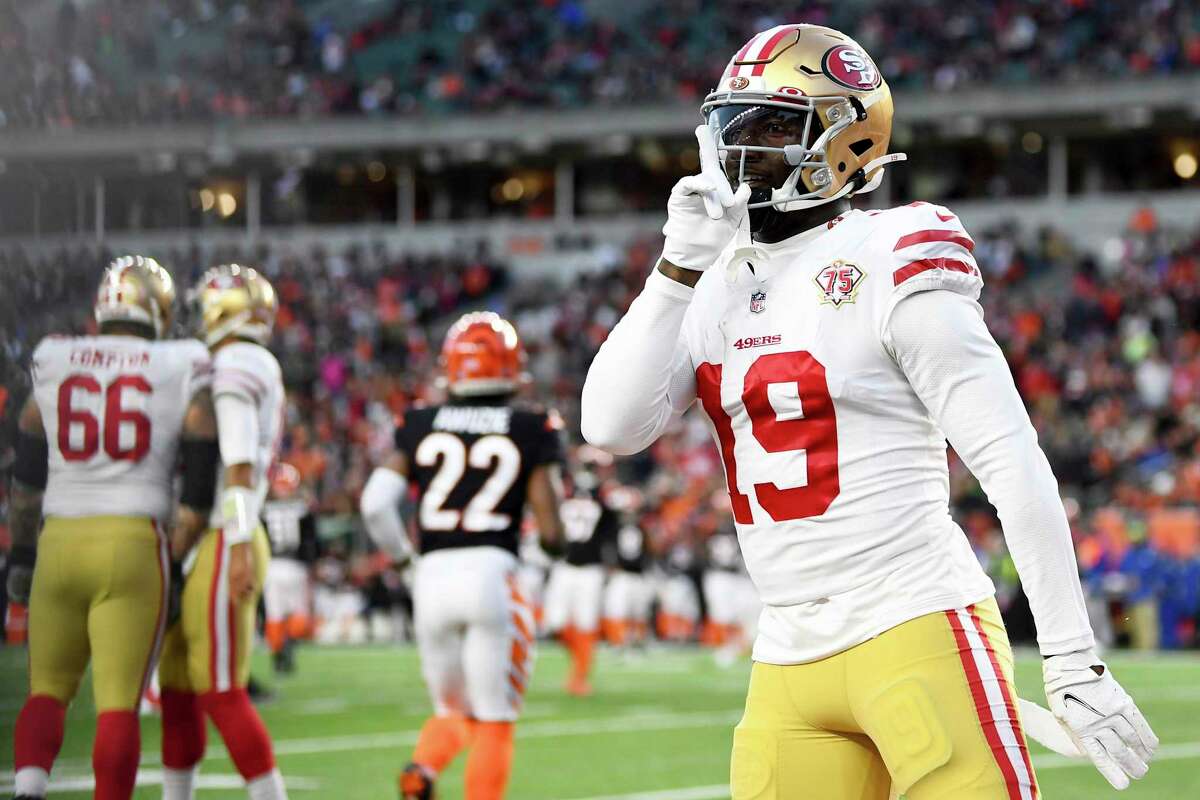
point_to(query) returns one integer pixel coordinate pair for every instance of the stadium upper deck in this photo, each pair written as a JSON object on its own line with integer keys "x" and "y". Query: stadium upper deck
{"x": 107, "y": 62}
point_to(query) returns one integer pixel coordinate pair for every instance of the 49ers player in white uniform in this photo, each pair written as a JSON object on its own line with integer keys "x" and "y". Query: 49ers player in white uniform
{"x": 206, "y": 657}
{"x": 834, "y": 352}
{"x": 109, "y": 418}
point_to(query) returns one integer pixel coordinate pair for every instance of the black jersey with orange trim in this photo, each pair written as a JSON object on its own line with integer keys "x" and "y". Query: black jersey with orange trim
{"x": 470, "y": 463}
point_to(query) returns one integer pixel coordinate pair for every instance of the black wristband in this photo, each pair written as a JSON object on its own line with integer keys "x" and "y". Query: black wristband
{"x": 23, "y": 556}
{"x": 32, "y": 464}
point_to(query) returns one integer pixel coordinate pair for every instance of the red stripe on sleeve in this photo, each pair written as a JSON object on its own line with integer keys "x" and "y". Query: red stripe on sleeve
{"x": 924, "y": 237}
{"x": 926, "y": 264}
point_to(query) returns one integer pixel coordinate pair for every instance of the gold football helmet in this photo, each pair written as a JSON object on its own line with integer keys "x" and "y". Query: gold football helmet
{"x": 136, "y": 289}
{"x": 812, "y": 95}
{"x": 233, "y": 300}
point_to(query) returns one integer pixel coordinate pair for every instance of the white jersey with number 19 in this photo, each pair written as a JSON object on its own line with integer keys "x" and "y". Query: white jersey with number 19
{"x": 824, "y": 366}
{"x": 113, "y": 410}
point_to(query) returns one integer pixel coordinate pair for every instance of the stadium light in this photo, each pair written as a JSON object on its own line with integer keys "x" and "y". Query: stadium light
{"x": 1185, "y": 166}
{"x": 226, "y": 204}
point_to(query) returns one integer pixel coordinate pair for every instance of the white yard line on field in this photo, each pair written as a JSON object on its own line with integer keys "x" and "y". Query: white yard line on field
{"x": 623, "y": 723}
{"x": 1167, "y": 752}
{"x": 1047, "y": 761}
{"x": 150, "y": 777}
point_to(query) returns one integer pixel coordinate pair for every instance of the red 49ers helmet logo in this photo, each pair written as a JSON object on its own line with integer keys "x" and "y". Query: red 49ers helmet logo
{"x": 850, "y": 67}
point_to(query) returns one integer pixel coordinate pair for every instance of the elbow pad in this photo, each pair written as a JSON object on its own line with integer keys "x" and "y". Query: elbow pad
{"x": 239, "y": 514}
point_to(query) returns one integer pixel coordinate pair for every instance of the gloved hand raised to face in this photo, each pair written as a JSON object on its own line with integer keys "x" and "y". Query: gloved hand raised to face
{"x": 703, "y": 212}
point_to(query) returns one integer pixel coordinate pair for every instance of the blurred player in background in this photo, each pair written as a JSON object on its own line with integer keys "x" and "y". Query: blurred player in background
{"x": 533, "y": 573}
{"x": 678, "y": 598}
{"x": 627, "y": 595}
{"x": 206, "y": 659}
{"x": 835, "y": 351}
{"x": 719, "y": 582}
{"x": 287, "y": 596}
{"x": 109, "y": 417}
{"x": 476, "y": 461}
{"x": 576, "y": 587}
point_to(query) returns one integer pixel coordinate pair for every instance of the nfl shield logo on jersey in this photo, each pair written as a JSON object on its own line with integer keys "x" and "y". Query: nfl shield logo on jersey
{"x": 839, "y": 282}
{"x": 758, "y": 302}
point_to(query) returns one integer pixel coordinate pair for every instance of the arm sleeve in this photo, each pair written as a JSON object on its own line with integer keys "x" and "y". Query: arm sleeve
{"x": 237, "y": 428}
{"x": 642, "y": 377}
{"x": 941, "y": 343}
{"x": 380, "y": 507}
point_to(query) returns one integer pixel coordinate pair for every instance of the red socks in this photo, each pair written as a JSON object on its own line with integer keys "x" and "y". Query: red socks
{"x": 39, "y": 732}
{"x": 245, "y": 736}
{"x": 490, "y": 761}
{"x": 183, "y": 731}
{"x": 115, "y": 753}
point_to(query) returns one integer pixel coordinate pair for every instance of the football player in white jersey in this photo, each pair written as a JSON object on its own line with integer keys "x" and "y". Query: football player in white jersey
{"x": 99, "y": 439}
{"x": 835, "y": 351}
{"x": 206, "y": 657}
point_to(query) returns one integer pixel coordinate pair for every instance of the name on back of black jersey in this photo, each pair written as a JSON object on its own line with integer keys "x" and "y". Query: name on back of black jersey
{"x": 473, "y": 419}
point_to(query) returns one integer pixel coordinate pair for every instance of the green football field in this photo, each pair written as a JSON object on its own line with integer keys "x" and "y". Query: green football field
{"x": 657, "y": 728}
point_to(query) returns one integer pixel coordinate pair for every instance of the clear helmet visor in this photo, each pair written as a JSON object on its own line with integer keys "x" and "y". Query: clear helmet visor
{"x": 769, "y": 146}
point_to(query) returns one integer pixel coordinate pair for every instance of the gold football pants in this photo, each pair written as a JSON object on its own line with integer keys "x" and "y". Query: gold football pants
{"x": 99, "y": 594}
{"x": 208, "y": 649}
{"x": 928, "y": 706}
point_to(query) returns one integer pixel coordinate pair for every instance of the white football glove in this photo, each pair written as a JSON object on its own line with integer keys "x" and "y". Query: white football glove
{"x": 703, "y": 212}
{"x": 1099, "y": 715}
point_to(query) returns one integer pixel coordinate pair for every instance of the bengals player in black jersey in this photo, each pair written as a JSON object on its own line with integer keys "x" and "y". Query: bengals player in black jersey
{"x": 475, "y": 461}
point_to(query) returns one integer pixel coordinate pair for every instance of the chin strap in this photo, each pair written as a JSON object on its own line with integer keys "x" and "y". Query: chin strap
{"x": 780, "y": 197}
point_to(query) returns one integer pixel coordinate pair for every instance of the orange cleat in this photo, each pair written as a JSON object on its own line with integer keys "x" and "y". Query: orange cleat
{"x": 579, "y": 687}
{"x": 416, "y": 783}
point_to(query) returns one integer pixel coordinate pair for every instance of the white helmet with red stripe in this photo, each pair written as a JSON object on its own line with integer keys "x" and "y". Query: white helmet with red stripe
{"x": 814, "y": 96}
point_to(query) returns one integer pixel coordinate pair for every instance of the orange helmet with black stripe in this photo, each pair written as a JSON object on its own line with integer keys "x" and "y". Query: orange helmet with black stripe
{"x": 482, "y": 355}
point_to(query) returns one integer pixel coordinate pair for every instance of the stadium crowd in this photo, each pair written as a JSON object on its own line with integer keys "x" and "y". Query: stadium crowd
{"x": 1105, "y": 350}
{"x": 112, "y": 62}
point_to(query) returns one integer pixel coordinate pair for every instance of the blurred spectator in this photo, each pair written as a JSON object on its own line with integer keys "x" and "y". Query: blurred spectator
{"x": 111, "y": 62}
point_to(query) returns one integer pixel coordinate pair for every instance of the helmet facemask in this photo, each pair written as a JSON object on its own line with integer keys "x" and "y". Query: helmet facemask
{"x": 797, "y": 134}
